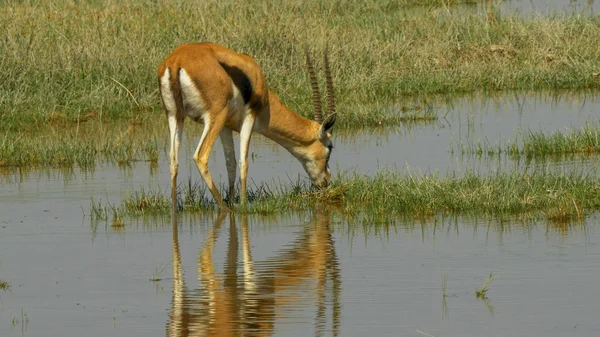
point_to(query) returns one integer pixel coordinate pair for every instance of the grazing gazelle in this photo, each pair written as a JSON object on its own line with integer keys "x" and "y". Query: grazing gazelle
{"x": 227, "y": 91}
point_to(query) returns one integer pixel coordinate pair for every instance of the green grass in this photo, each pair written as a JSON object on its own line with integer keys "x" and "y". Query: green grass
{"x": 65, "y": 144}
{"x": 388, "y": 196}
{"x": 73, "y": 59}
{"x": 67, "y": 65}
{"x": 583, "y": 141}
{"x": 85, "y": 145}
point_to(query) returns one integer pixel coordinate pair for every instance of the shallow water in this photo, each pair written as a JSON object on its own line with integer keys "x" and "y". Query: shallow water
{"x": 535, "y": 7}
{"x": 426, "y": 146}
{"x": 298, "y": 275}
{"x": 305, "y": 273}
{"x": 415, "y": 147}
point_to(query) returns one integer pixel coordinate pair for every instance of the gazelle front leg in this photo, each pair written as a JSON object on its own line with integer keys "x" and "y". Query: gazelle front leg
{"x": 229, "y": 151}
{"x": 212, "y": 127}
{"x": 245, "y": 135}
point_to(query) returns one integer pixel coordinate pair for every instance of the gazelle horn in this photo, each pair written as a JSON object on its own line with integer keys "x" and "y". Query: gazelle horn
{"x": 315, "y": 88}
{"x": 330, "y": 93}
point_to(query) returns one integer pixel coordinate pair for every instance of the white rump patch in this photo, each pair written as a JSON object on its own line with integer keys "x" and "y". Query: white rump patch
{"x": 192, "y": 100}
{"x": 167, "y": 94}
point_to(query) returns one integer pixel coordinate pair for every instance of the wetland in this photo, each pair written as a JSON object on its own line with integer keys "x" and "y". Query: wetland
{"x": 465, "y": 196}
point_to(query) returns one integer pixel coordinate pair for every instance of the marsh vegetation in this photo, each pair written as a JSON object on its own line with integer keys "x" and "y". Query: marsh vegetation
{"x": 389, "y": 195}
{"x": 101, "y": 67}
{"x": 92, "y": 98}
{"x": 104, "y": 57}
{"x": 584, "y": 141}
{"x": 79, "y": 101}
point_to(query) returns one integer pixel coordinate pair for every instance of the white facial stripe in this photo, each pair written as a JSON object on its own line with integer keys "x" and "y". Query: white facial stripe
{"x": 166, "y": 93}
{"x": 311, "y": 169}
{"x": 310, "y": 165}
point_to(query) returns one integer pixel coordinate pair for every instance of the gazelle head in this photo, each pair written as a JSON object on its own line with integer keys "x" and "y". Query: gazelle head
{"x": 317, "y": 163}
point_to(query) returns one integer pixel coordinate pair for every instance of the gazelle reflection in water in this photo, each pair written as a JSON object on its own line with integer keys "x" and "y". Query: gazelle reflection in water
{"x": 250, "y": 301}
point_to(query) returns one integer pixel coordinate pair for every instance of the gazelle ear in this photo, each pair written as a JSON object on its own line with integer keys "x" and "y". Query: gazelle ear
{"x": 327, "y": 125}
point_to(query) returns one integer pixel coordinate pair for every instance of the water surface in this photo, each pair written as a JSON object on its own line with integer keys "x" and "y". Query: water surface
{"x": 537, "y": 7}
{"x": 298, "y": 275}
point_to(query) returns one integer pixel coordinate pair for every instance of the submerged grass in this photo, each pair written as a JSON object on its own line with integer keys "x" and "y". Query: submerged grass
{"x": 157, "y": 275}
{"x": 537, "y": 144}
{"x": 557, "y": 197}
{"x": 104, "y": 54}
{"x": 4, "y": 285}
{"x": 481, "y": 292}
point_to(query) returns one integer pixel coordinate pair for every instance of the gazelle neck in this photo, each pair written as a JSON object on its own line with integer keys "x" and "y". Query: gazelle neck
{"x": 287, "y": 127}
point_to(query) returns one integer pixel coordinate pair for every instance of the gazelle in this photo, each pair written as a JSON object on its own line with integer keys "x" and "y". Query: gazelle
{"x": 227, "y": 91}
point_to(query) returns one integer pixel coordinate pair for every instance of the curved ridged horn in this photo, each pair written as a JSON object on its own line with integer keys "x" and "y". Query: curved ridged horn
{"x": 330, "y": 93}
{"x": 315, "y": 88}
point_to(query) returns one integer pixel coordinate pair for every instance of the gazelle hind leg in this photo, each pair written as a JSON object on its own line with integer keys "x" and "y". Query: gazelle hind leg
{"x": 245, "y": 135}
{"x": 175, "y": 131}
{"x": 226, "y": 136}
{"x": 212, "y": 128}
{"x": 172, "y": 104}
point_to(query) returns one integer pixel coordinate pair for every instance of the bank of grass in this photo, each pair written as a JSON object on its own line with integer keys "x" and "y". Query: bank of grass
{"x": 87, "y": 143}
{"x": 584, "y": 141}
{"x": 67, "y": 58}
{"x": 559, "y": 197}
{"x": 83, "y": 145}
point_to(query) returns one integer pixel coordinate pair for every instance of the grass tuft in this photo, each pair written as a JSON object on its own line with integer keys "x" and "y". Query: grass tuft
{"x": 142, "y": 202}
{"x": 584, "y": 141}
{"x": 481, "y": 292}
{"x": 4, "y": 285}
{"x": 156, "y": 276}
